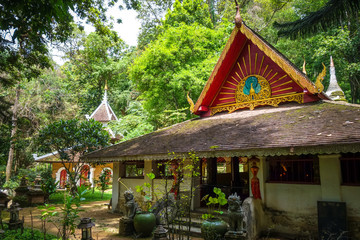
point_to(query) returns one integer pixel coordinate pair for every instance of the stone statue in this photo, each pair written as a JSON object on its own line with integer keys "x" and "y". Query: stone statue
{"x": 130, "y": 205}
{"x": 165, "y": 209}
{"x": 235, "y": 213}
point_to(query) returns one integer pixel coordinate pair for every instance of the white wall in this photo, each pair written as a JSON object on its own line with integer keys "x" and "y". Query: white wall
{"x": 294, "y": 198}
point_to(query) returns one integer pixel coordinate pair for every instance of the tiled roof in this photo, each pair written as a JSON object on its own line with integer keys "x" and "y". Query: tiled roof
{"x": 291, "y": 128}
{"x": 103, "y": 113}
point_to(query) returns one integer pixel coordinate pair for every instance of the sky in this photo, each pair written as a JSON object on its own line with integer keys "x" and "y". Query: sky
{"x": 128, "y": 30}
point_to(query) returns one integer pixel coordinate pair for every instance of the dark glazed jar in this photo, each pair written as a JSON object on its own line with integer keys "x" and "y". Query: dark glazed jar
{"x": 144, "y": 223}
{"x": 213, "y": 229}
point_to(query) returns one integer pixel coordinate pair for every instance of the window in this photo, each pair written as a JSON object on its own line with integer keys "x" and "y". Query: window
{"x": 294, "y": 169}
{"x": 350, "y": 169}
{"x": 164, "y": 168}
{"x": 134, "y": 169}
{"x": 221, "y": 165}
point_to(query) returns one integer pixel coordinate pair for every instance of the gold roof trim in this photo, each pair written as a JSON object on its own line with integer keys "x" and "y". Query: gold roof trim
{"x": 274, "y": 101}
{"x": 216, "y": 69}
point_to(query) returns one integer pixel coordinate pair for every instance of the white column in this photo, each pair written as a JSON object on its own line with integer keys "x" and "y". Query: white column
{"x": 330, "y": 177}
{"x": 115, "y": 185}
{"x": 92, "y": 170}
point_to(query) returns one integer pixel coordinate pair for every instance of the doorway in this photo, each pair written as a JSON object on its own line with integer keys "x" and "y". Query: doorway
{"x": 230, "y": 174}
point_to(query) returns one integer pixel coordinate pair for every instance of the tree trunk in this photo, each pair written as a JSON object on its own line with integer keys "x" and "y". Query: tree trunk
{"x": 13, "y": 132}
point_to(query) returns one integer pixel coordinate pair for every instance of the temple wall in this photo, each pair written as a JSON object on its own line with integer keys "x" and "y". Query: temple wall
{"x": 96, "y": 171}
{"x": 292, "y": 208}
{"x": 351, "y": 195}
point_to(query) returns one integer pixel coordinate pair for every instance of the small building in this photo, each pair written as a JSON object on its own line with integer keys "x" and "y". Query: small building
{"x": 264, "y": 131}
{"x": 89, "y": 173}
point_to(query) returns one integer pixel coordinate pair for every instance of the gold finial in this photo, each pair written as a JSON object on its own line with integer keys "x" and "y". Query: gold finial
{"x": 190, "y": 101}
{"x": 106, "y": 87}
{"x": 304, "y": 68}
{"x": 318, "y": 84}
{"x": 238, "y": 20}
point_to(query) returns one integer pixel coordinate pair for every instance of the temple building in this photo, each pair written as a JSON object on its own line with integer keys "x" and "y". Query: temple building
{"x": 266, "y": 132}
{"x": 104, "y": 114}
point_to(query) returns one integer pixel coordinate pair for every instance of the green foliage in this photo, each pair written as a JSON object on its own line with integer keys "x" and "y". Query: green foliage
{"x": 135, "y": 123}
{"x": 180, "y": 60}
{"x": 333, "y": 13}
{"x": 104, "y": 181}
{"x": 147, "y": 191}
{"x": 188, "y": 12}
{"x": 90, "y": 196}
{"x": 66, "y": 219}
{"x": 94, "y": 60}
{"x": 49, "y": 184}
{"x": 212, "y": 202}
{"x": 71, "y": 139}
{"x": 28, "y": 234}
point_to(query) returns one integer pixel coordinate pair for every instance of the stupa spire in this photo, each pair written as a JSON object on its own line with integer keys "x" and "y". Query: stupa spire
{"x": 334, "y": 91}
{"x": 105, "y": 91}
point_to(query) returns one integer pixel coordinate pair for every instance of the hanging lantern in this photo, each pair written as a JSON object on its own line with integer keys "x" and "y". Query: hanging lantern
{"x": 85, "y": 226}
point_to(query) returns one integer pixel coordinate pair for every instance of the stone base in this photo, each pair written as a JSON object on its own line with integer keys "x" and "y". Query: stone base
{"x": 126, "y": 227}
{"x": 235, "y": 235}
{"x": 15, "y": 225}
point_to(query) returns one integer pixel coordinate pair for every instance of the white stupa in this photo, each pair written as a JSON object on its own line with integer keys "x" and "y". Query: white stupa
{"x": 334, "y": 91}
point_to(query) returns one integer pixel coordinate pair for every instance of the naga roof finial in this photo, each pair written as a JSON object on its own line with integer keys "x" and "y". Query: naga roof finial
{"x": 304, "y": 67}
{"x": 238, "y": 20}
{"x": 318, "y": 84}
{"x": 191, "y": 102}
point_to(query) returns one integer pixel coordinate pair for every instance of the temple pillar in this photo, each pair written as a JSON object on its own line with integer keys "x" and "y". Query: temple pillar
{"x": 330, "y": 177}
{"x": 115, "y": 186}
{"x": 211, "y": 171}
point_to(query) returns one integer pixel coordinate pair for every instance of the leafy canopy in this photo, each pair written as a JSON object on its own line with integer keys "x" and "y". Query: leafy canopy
{"x": 72, "y": 137}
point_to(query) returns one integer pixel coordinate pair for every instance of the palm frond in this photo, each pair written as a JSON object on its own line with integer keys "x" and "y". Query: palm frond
{"x": 332, "y": 14}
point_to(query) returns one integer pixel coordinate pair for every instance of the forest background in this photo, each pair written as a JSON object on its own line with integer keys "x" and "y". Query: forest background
{"x": 178, "y": 46}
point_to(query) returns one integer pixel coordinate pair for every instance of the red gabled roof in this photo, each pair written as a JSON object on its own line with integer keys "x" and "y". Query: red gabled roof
{"x": 247, "y": 54}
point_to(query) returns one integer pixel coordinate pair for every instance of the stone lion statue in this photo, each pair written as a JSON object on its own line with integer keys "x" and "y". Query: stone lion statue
{"x": 130, "y": 205}
{"x": 235, "y": 213}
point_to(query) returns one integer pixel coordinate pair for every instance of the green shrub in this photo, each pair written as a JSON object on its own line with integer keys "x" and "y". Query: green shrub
{"x": 26, "y": 235}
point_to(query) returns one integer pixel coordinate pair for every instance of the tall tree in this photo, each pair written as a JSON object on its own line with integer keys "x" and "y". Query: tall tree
{"x": 180, "y": 60}
{"x": 94, "y": 60}
{"x": 25, "y": 28}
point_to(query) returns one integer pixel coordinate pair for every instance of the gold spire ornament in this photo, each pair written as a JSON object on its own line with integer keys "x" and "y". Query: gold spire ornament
{"x": 304, "y": 68}
{"x": 320, "y": 78}
{"x": 190, "y": 101}
{"x": 106, "y": 86}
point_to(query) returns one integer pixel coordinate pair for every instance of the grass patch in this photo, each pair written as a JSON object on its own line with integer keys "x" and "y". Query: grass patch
{"x": 58, "y": 197}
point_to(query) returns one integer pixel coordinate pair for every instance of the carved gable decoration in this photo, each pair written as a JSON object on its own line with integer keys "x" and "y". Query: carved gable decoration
{"x": 251, "y": 73}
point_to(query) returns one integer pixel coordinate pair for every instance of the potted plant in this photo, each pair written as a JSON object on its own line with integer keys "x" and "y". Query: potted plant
{"x": 214, "y": 227}
{"x": 144, "y": 220}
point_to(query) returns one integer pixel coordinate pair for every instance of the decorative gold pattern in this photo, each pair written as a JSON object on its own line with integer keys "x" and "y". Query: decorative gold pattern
{"x": 318, "y": 84}
{"x": 265, "y": 91}
{"x": 190, "y": 101}
{"x": 279, "y": 60}
{"x": 217, "y": 66}
{"x": 275, "y": 101}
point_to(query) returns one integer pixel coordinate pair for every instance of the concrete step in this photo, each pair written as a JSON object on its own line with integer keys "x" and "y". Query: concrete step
{"x": 194, "y": 231}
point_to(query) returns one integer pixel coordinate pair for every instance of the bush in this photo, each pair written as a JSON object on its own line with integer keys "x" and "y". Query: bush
{"x": 26, "y": 235}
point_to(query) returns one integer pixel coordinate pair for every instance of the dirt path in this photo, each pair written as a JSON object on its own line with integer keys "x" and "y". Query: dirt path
{"x": 106, "y": 222}
{"x": 106, "y": 227}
